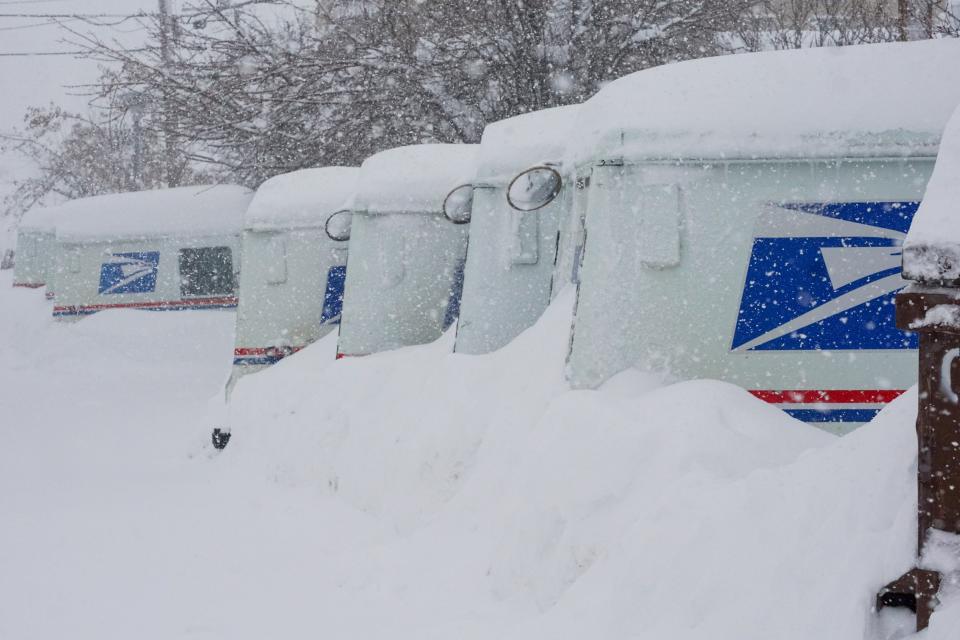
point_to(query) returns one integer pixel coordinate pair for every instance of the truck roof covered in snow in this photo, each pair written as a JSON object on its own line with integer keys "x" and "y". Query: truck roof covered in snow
{"x": 513, "y": 144}
{"x": 300, "y": 199}
{"x": 184, "y": 211}
{"x": 40, "y": 219}
{"x": 861, "y": 101}
{"x": 413, "y": 179}
{"x": 932, "y": 248}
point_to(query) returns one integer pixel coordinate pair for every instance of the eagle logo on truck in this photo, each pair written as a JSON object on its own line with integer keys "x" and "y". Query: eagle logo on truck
{"x": 824, "y": 276}
{"x": 333, "y": 296}
{"x": 129, "y": 273}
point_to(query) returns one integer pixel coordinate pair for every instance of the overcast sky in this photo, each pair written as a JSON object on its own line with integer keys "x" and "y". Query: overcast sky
{"x": 39, "y": 80}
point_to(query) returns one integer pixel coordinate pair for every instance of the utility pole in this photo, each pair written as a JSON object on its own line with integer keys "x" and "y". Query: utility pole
{"x": 136, "y": 110}
{"x": 133, "y": 103}
{"x": 928, "y": 13}
{"x": 916, "y": 22}
{"x": 903, "y": 19}
{"x": 168, "y": 119}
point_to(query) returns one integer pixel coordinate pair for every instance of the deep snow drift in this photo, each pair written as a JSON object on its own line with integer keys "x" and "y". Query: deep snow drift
{"x": 420, "y": 494}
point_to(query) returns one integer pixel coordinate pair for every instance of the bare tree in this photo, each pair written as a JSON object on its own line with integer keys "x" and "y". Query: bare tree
{"x": 248, "y": 89}
{"x": 263, "y": 87}
{"x": 792, "y": 24}
{"x": 79, "y": 157}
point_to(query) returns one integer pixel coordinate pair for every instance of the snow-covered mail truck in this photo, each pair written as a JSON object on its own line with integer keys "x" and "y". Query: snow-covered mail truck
{"x": 292, "y": 270}
{"x": 405, "y": 272}
{"x": 160, "y": 250}
{"x": 520, "y": 199}
{"x": 744, "y": 217}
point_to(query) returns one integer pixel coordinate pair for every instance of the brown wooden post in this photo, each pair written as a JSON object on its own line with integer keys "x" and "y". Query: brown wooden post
{"x": 934, "y": 313}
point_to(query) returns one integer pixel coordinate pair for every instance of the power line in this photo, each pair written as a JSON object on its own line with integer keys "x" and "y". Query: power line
{"x": 139, "y": 14}
{"x": 12, "y": 54}
{"x": 33, "y": 25}
{"x": 27, "y": 1}
{"x": 53, "y": 23}
{"x": 79, "y": 16}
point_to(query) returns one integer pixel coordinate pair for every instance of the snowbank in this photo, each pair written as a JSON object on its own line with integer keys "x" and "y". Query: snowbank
{"x": 790, "y": 552}
{"x": 300, "y": 199}
{"x": 184, "y": 211}
{"x": 514, "y": 144}
{"x": 932, "y": 248}
{"x": 525, "y": 510}
{"x": 626, "y": 512}
{"x": 413, "y": 179}
{"x": 423, "y": 494}
{"x": 871, "y": 100}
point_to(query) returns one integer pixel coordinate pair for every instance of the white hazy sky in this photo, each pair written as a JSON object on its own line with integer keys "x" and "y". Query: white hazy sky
{"x": 31, "y": 80}
{"x": 39, "y": 80}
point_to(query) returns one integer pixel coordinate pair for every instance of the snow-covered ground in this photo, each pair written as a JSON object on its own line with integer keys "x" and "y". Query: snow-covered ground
{"x": 420, "y": 494}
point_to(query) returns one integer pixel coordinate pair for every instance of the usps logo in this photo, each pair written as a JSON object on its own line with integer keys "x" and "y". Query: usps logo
{"x": 824, "y": 276}
{"x": 456, "y": 293}
{"x": 333, "y": 296}
{"x": 129, "y": 273}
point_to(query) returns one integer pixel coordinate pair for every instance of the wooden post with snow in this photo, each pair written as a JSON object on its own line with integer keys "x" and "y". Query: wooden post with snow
{"x": 930, "y": 306}
{"x": 934, "y": 313}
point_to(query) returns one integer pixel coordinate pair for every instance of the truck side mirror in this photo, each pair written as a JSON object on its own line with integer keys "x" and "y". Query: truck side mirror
{"x": 458, "y": 205}
{"x": 338, "y": 225}
{"x": 534, "y": 189}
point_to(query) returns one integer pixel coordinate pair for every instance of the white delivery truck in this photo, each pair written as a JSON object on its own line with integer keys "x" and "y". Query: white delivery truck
{"x": 744, "y": 217}
{"x": 405, "y": 271}
{"x": 160, "y": 250}
{"x": 292, "y": 270}
{"x": 36, "y": 239}
{"x": 520, "y": 199}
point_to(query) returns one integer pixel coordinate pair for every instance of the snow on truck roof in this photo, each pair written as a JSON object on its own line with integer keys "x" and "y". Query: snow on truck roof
{"x": 859, "y": 101}
{"x": 931, "y": 250}
{"x": 40, "y": 220}
{"x": 183, "y": 211}
{"x": 300, "y": 199}
{"x": 511, "y": 145}
{"x": 414, "y": 179}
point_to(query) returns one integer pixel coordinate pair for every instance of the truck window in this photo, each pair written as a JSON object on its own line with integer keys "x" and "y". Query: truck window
{"x": 207, "y": 271}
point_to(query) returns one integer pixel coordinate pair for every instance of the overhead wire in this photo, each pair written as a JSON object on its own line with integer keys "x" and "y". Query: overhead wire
{"x": 2, "y": 2}
{"x": 13, "y": 54}
{"x": 80, "y": 16}
{"x": 55, "y": 18}
{"x": 29, "y": 26}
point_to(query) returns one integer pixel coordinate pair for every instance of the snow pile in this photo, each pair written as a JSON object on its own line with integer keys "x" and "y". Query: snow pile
{"x": 807, "y": 545}
{"x": 423, "y": 494}
{"x": 413, "y": 179}
{"x": 511, "y": 145}
{"x": 525, "y": 510}
{"x": 932, "y": 248}
{"x": 300, "y": 199}
{"x": 939, "y": 315}
{"x": 851, "y": 101}
{"x": 184, "y": 211}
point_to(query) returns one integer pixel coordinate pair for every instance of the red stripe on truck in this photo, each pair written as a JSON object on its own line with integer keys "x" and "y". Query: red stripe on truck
{"x": 836, "y": 396}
